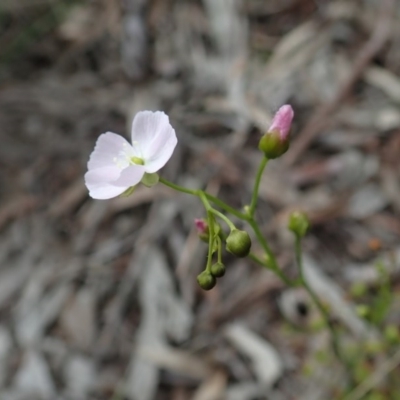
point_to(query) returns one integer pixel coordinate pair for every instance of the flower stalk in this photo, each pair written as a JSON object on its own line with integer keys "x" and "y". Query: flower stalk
{"x": 116, "y": 167}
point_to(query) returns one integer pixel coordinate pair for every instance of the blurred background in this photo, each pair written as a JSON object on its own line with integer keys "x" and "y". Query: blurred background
{"x": 98, "y": 299}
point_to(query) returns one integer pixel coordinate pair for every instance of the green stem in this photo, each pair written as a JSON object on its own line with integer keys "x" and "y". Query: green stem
{"x": 226, "y": 207}
{"x": 210, "y": 209}
{"x": 324, "y": 313}
{"x": 206, "y": 197}
{"x": 271, "y": 264}
{"x": 257, "y": 260}
{"x": 219, "y": 243}
{"x": 211, "y": 221}
{"x": 209, "y": 197}
{"x": 263, "y": 242}
{"x": 210, "y": 218}
{"x": 224, "y": 218}
{"x": 256, "y": 188}
{"x": 178, "y": 187}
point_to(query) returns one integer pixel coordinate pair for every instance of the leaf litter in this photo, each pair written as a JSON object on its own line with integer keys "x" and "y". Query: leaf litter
{"x": 98, "y": 300}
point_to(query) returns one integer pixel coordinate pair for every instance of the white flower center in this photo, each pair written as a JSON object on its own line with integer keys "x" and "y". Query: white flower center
{"x": 126, "y": 157}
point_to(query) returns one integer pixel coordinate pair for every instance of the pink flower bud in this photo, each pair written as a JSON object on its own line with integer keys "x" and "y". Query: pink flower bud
{"x": 202, "y": 229}
{"x": 201, "y": 226}
{"x": 276, "y": 141}
{"x": 282, "y": 121}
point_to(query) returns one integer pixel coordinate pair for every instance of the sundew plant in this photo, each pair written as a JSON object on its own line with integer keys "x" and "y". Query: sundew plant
{"x": 117, "y": 166}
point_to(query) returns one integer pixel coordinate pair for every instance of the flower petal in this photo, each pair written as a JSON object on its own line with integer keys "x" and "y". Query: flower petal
{"x": 108, "y": 146}
{"x": 130, "y": 176}
{"x": 162, "y": 152}
{"x": 150, "y": 131}
{"x": 98, "y": 176}
{"x": 282, "y": 121}
{"x": 105, "y": 191}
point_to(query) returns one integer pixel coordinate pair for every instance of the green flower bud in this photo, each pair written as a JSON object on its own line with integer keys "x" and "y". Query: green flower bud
{"x": 238, "y": 243}
{"x": 272, "y": 145}
{"x": 276, "y": 141}
{"x": 206, "y": 280}
{"x": 298, "y": 223}
{"x": 150, "y": 180}
{"x": 218, "y": 270}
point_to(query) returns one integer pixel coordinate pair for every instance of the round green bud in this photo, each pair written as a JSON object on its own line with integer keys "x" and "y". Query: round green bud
{"x": 272, "y": 144}
{"x": 206, "y": 280}
{"x": 218, "y": 270}
{"x": 246, "y": 209}
{"x": 298, "y": 223}
{"x": 150, "y": 180}
{"x": 238, "y": 243}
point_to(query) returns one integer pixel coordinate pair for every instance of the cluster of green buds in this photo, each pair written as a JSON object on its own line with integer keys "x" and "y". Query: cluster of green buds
{"x": 273, "y": 144}
{"x": 238, "y": 243}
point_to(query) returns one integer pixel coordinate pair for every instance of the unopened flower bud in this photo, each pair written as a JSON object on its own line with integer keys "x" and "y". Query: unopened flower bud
{"x": 218, "y": 270}
{"x": 298, "y": 223}
{"x": 150, "y": 180}
{"x": 206, "y": 280}
{"x": 238, "y": 243}
{"x": 202, "y": 229}
{"x": 276, "y": 141}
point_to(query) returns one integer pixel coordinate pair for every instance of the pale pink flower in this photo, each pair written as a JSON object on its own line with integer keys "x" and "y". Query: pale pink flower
{"x": 282, "y": 121}
{"x": 115, "y": 165}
